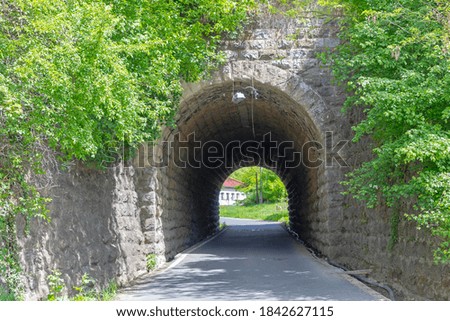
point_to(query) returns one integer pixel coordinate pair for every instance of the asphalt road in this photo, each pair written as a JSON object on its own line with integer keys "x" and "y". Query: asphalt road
{"x": 250, "y": 260}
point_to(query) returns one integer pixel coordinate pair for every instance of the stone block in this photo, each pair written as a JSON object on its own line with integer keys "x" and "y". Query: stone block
{"x": 250, "y": 55}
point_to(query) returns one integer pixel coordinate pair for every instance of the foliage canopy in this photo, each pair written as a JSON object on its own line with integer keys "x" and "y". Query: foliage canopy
{"x": 273, "y": 189}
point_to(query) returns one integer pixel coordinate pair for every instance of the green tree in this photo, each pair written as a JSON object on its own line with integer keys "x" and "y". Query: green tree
{"x": 394, "y": 58}
{"x": 273, "y": 189}
{"x": 81, "y": 79}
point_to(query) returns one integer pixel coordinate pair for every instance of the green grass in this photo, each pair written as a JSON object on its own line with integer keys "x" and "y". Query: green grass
{"x": 276, "y": 212}
{"x": 151, "y": 261}
{"x": 5, "y": 295}
{"x": 109, "y": 293}
{"x": 106, "y": 294}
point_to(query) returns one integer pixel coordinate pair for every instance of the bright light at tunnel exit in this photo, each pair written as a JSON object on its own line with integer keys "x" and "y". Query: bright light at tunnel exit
{"x": 254, "y": 193}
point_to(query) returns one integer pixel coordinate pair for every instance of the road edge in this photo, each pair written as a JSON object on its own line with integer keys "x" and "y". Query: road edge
{"x": 377, "y": 295}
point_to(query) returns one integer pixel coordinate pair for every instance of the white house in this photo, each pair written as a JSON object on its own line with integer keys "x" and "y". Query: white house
{"x": 229, "y": 194}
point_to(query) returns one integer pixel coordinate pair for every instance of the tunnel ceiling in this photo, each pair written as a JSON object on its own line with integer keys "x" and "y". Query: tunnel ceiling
{"x": 212, "y": 115}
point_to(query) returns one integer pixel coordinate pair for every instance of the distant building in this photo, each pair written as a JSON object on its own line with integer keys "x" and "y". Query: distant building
{"x": 229, "y": 194}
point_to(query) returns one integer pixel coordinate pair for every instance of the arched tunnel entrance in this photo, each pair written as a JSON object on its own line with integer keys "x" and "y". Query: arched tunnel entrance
{"x": 224, "y": 125}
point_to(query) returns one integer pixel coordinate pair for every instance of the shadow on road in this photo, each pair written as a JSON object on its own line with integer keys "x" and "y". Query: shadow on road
{"x": 249, "y": 261}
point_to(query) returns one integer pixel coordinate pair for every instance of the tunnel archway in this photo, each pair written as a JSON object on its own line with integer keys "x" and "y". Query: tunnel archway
{"x": 277, "y": 111}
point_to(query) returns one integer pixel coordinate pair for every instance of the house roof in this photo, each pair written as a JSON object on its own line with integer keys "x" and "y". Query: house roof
{"x": 231, "y": 182}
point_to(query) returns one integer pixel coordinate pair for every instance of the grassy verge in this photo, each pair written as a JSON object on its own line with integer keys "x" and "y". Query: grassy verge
{"x": 106, "y": 294}
{"x": 276, "y": 212}
{"x": 5, "y": 295}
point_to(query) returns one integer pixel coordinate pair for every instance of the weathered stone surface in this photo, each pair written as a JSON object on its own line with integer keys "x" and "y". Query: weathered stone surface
{"x": 94, "y": 229}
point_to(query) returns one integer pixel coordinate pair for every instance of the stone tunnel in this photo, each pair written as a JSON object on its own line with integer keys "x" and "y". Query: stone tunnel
{"x": 289, "y": 103}
{"x": 107, "y": 223}
{"x": 275, "y": 126}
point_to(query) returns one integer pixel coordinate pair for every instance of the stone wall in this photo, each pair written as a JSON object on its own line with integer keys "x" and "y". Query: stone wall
{"x": 98, "y": 225}
{"x": 408, "y": 267}
{"x": 365, "y": 234}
